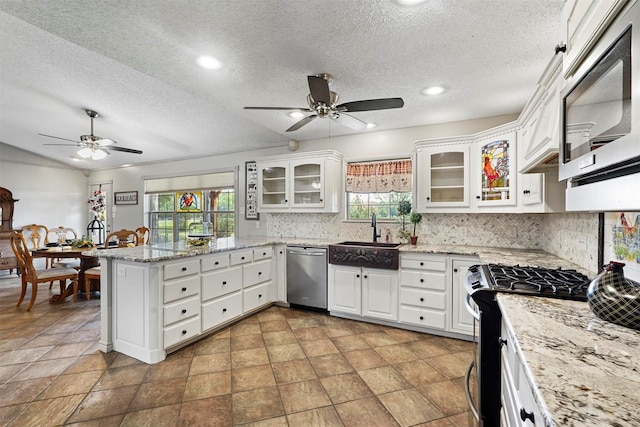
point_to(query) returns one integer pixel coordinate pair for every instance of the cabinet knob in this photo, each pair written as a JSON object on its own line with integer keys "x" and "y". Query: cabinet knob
{"x": 478, "y": 197}
{"x": 224, "y": 310}
{"x": 286, "y": 201}
{"x": 421, "y": 263}
{"x": 224, "y": 283}
{"x": 184, "y": 332}
{"x": 357, "y": 275}
{"x": 455, "y": 270}
{"x": 216, "y": 263}
{"x": 321, "y": 200}
{"x": 184, "y": 289}
{"x": 421, "y": 299}
{"x": 421, "y": 317}
{"x": 259, "y": 295}
{"x": 365, "y": 276}
{"x": 280, "y": 252}
{"x": 421, "y": 280}
{"x": 184, "y": 268}
{"x": 259, "y": 273}
{"x": 184, "y": 311}
{"x": 428, "y": 198}
{"x": 502, "y": 342}
{"x": 526, "y": 192}
{"x": 524, "y": 415}
{"x": 560, "y": 48}
{"x": 241, "y": 257}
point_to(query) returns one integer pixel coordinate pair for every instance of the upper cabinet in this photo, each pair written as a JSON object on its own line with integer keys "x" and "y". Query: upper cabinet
{"x": 585, "y": 21}
{"x": 495, "y": 173}
{"x": 539, "y": 135}
{"x": 305, "y": 182}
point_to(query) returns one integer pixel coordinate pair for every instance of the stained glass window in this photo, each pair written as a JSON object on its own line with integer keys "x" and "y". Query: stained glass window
{"x": 495, "y": 170}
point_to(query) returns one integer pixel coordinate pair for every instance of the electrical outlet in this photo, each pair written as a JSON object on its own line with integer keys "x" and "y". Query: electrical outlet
{"x": 257, "y": 224}
{"x": 512, "y": 232}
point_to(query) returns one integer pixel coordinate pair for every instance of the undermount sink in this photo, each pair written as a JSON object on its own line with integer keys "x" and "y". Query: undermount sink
{"x": 365, "y": 254}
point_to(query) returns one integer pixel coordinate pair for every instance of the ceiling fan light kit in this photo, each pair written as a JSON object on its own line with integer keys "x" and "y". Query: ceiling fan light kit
{"x": 323, "y": 103}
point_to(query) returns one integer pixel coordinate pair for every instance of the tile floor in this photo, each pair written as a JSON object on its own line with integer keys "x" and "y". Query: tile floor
{"x": 279, "y": 367}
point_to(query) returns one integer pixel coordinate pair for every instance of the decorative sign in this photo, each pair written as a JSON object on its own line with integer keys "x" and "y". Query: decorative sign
{"x": 189, "y": 201}
{"x": 251, "y": 178}
{"x": 125, "y": 198}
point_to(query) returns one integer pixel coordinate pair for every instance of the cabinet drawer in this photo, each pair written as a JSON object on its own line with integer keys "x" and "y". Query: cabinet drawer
{"x": 241, "y": 257}
{"x": 256, "y": 273}
{"x": 221, "y": 282}
{"x": 435, "y": 263}
{"x": 423, "y": 317}
{"x": 422, "y": 298}
{"x": 181, "y": 310}
{"x": 262, "y": 253}
{"x": 256, "y": 296}
{"x": 434, "y": 280}
{"x": 214, "y": 262}
{"x": 181, "y": 331}
{"x": 221, "y": 310}
{"x": 8, "y": 263}
{"x": 181, "y": 288}
{"x": 181, "y": 269}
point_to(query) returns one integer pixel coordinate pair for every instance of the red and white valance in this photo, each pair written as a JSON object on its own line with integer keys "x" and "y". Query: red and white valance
{"x": 379, "y": 177}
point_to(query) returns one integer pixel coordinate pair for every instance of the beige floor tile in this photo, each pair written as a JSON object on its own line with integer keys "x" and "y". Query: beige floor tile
{"x": 319, "y": 347}
{"x": 8, "y": 413}
{"x": 441, "y": 422}
{"x": 22, "y": 391}
{"x": 346, "y": 343}
{"x": 252, "y": 377}
{"x": 309, "y": 334}
{"x": 378, "y": 339}
{"x": 44, "y": 368}
{"x": 103, "y": 403}
{"x": 158, "y": 393}
{"x": 364, "y": 359}
{"x": 207, "y": 385}
{"x": 269, "y": 422}
{"x": 464, "y": 419}
{"x": 256, "y": 405}
{"x": 345, "y": 387}
{"x": 251, "y": 357}
{"x": 209, "y": 363}
{"x": 212, "y": 345}
{"x": 23, "y": 355}
{"x": 245, "y": 328}
{"x": 213, "y": 411}
{"x": 164, "y": 416}
{"x": 303, "y": 395}
{"x": 426, "y": 348}
{"x": 67, "y": 385}
{"x": 246, "y": 342}
{"x": 402, "y": 335}
{"x": 47, "y": 412}
{"x": 337, "y": 331}
{"x": 447, "y": 396}
{"x": 92, "y": 362}
{"x": 319, "y": 417}
{"x": 368, "y": 412}
{"x": 449, "y": 365}
{"x": 396, "y": 353}
{"x": 285, "y": 352}
{"x": 174, "y": 368}
{"x": 274, "y": 325}
{"x": 421, "y": 411}
{"x": 303, "y": 322}
{"x": 384, "y": 379}
{"x": 418, "y": 373}
{"x": 331, "y": 364}
{"x": 123, "y": 376}
{"x": 9, "y": 371}
{"x": 292, "y": 371}
{"x": 279, "y": 338}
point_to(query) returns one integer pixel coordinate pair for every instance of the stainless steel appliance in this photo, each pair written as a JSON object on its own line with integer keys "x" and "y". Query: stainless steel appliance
{"x": 307, "y": 277}
{"x": 600, "y": 139}
{"x": 482, "y": 283}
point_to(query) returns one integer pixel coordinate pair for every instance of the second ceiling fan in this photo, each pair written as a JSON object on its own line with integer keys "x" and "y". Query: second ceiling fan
{"x": 324, "y": 103}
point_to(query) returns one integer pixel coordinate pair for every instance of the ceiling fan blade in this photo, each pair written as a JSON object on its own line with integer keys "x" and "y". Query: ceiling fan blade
{"x": 123, "y": 149}
{"x": 349, "y": 121}
{"x": 67, "y": 145}
{"x": 105, "y": 142}
{"x": 277, "y": 108}
{"x": 319, "y": 89}
{"x": 57, "y": 137}
{"x": 302, "y": 122}
{"x": 371, "y": 104}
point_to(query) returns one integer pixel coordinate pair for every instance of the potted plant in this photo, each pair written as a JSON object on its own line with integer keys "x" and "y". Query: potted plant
{"x": 415, "y": 219}
{"x": 404, "y": 208}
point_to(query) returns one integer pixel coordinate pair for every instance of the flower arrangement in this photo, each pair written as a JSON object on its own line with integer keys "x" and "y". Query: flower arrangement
{"x": 97, "y": 203}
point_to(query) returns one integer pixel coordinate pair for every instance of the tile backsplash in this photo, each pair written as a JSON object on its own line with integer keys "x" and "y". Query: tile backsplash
{"x": 572, "y": 236}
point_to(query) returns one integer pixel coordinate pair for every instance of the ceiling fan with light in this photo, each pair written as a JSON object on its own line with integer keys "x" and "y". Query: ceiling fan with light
{"x": 324, "y": 103}
{"x": 93, "y": 146}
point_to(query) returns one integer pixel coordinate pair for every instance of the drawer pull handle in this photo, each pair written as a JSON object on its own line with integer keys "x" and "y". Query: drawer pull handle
{"x": 184, "y": 268}
{"x": 216, "y": 263}
{"x": 259, "y": 295}
{"x": 421, "y": 263}
{"x": 365, "y": 276}
{"x": 524, "y": 415}
{"x": 259, "y": 273}
{"x": 224, "y": 310}
{"x": 421, "y": 280}
{"x": 224, "y": 283}
{"x": 421, "y": 317}
{"x": 502, "y": 344}
{"x": 184, "y": 289}
{"x": 264, "y": 254}
{"x": 241, "y": 257}
{"x": 184, "y": 332}
{"x": 184, "y": 311}
{"x": 421, "y": 299}
{"x": 280, "y": 252}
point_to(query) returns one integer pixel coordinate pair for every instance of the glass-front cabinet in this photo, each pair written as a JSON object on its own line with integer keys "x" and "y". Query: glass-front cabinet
{"x": 305, "y": 182}
{"x": 496, "y": 174}
{"x": 443, "y": 177}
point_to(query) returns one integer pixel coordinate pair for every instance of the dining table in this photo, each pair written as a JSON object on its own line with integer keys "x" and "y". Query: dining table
{"x": 58, "y": 252}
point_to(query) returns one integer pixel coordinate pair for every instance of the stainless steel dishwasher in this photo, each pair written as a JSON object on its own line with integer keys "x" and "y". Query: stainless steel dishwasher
{"x": 307, "y": 277}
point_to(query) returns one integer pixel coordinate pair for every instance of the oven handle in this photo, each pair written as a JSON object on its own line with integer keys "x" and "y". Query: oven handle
{"x": 467, "y": 391}
{"x": 470, "y": 309}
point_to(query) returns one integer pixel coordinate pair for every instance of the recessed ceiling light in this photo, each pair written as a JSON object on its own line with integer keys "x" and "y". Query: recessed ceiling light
{"x": 433, "y": 90}
{"x": 409, "y": 2}
{"x": 209, "y": 63}
{"x": 371, "y": 125}
{"x": 296, "y": 114}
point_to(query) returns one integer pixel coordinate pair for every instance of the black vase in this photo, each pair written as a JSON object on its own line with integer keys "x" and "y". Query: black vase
{"x": 96, "y": 231}
{"x": 614, "y": 298}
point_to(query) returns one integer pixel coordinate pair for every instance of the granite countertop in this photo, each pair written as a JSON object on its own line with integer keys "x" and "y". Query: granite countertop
{"x": 584, "y": 371}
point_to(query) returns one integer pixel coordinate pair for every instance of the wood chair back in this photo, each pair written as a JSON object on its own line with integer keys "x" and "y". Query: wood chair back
{"x": 36, "y": 235}
{"x": 61, "y": 234}
{"x": 144, "y": 235}
{"x": 35, "y": 276}
{"x": 123, "y": 237}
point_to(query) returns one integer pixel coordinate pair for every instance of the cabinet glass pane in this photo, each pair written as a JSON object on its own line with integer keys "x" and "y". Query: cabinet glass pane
{"x": 495, "y": 171}
{"x": 274, "y": 185}
{"x": 447, "y": 194}
{"x": 440, "y": 160}
{"x": 447, "y": 177}
{"x": 307, "y": 184}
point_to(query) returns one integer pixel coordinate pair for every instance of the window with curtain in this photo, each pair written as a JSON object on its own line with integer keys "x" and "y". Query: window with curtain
{"x": 377, "y": 187}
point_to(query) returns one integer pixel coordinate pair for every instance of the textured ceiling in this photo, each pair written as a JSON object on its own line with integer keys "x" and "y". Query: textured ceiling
{"x": 134, "y": 63}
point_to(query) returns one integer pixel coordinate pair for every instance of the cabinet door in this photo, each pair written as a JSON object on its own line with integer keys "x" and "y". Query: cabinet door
{"x": 532, "y": 189}
{"x": 380, "y": 294}
{"x": 280, "y": 273}
{"x": 443, "y": 177}
{"x": 307, "y": 184}
{"x": 345, "y": 289}
{"x": 461, "y": 319}
{"x": 274, "y": 186}
{"x": 495, "y": 173}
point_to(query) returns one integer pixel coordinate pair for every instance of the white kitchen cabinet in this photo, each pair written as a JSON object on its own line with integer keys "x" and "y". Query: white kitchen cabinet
{"x": 280, "y": 273}
{"x": 424, "y": 290}
{"x": 442, "y": 174}
{"x": 461, "y": 319}
{"x": 585, "y": 21}
{"x": 541, "y": 192}
{"x": 345, "y": 289}
{"x": 494, "y": 165}
{"x": 305, "y": 182}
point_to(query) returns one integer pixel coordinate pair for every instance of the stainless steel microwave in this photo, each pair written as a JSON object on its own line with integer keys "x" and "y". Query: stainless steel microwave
{"x": 600, "y": 117}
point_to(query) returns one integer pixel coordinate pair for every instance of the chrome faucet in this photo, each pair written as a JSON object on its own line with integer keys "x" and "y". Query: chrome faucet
{"x": 375, "y": 229}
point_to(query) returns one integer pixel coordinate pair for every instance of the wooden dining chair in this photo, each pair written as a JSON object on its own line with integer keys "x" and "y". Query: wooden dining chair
{"x": 60, "y": 235}
{"x": 35, "y": 276}
{"x": 144, "y": 235}
{"x": 36, "y": 235}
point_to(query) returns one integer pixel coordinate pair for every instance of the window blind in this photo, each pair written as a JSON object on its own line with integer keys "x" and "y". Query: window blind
{"x": 189, "y": 182}
{"x": 379, "y": 177}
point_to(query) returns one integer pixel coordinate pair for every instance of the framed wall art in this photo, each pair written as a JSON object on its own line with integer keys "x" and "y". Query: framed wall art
{"x": 125, "y": 198}
{"x": 251, "y": 180}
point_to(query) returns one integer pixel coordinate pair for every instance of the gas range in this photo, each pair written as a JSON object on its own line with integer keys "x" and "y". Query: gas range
{"x": 526, "y": 280}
